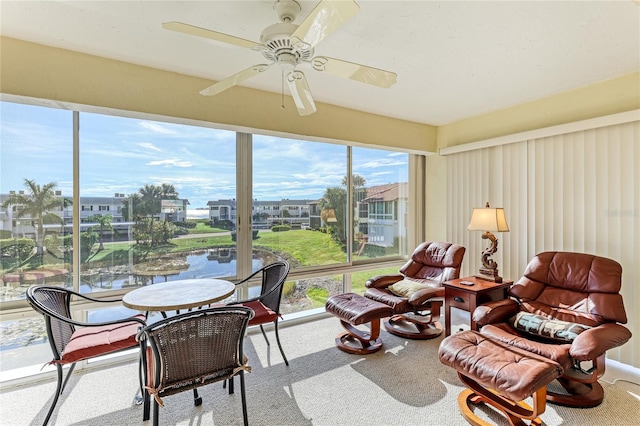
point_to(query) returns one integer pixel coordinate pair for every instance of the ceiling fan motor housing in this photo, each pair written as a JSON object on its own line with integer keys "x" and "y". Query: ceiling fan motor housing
{"x": 287, "y": 10}
{"x": 279, "y": 48}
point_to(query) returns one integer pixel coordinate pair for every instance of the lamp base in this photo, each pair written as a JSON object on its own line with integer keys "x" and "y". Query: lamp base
{"x": 489, "y": 275}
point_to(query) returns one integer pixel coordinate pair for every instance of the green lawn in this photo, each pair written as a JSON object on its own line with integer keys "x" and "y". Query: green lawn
{"x": 204, "y": 228}
{"x": 305, "y": 247}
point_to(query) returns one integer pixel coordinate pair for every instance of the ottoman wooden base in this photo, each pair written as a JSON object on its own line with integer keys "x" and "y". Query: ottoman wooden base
{"x": 352, "y": 310}
{"x": 500, "y": 376}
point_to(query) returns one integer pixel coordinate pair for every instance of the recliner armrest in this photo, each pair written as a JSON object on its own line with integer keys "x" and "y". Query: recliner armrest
{"x": 595, "y": 341}
{"x": 421, "y": 296}
{"x": 383, "y": 281}
{"x": 495, "y": 312}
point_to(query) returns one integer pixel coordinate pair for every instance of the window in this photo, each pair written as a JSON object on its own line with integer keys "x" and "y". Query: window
{"x": 381, "y": 202}
{"x": 36, "y": 153}
{"x": 156, "y": 205}
{"x": 288, "y": 172}
{"x": 161, "y": 173}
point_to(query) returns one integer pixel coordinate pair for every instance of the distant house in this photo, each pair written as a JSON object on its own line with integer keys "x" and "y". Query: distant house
{"x": 172, "y": 211}
{"x": 265, "y": 213}
{"x": 382, "y": 213}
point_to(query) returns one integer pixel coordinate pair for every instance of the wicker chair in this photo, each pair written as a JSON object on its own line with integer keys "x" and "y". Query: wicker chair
{"x": 267, "y": 305}
{"x": 72, "y": 341}
{"x": 193, "y": 349}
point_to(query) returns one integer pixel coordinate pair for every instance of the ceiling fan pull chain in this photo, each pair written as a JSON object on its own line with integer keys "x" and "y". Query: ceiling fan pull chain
{"x": 282, "y": 89}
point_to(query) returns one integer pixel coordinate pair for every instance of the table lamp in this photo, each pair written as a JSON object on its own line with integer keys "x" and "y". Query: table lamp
{"x": 489, "y": 219}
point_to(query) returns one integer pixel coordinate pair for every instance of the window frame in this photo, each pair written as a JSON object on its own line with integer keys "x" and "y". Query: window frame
{"x": 18, "y": 308}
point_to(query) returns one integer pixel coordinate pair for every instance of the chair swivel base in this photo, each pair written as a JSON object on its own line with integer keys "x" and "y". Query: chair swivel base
{"x": 499, "y": 376}
{"x": 355, "y": 341}
{"x": 403, "y": 326}
{"x": 580, "y": 395}
{"x": 516, "y": 412}
{"x": 353, "y": 310}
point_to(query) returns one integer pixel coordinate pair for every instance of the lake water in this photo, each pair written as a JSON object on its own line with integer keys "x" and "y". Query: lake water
{"x": 201, "y": 265}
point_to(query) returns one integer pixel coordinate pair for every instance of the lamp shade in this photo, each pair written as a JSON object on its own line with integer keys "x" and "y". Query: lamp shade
{"x": 488, "y": 219}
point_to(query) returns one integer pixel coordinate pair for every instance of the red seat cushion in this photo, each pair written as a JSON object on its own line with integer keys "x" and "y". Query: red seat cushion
{"x": 88, "y": 342}
{"x": 262, "y": 315}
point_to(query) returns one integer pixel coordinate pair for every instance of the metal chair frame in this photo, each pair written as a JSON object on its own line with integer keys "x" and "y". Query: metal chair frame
{"x": 210, "y": 338}
{"x": 54, "y": 303}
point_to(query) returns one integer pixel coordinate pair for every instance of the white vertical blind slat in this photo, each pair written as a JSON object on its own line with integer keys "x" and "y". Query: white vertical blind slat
{"x": 569, "y": 192}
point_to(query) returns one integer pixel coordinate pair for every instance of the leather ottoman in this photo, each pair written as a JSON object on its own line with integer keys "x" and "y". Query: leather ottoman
{"x": 498, "y": 375}
{"x": 352, "y": 310}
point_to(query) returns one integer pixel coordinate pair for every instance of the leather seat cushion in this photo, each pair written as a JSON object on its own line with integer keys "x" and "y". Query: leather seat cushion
{"x": 504, "y": 333}
{"x": 400, "y": 305}
{"x": 355, "y": 309}
{"x": 513, "y": 373}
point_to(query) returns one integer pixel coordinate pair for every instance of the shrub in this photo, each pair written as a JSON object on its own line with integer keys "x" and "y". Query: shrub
{"x": 16, "y": 249}
{"x": 180, "y": 230}
{"x": 254, "y": 235}
{"x": 288, "y": 289}
{"x": 189, "y": 224}
{"x": 280, "y": 228}
{"x": 318, "y": 295}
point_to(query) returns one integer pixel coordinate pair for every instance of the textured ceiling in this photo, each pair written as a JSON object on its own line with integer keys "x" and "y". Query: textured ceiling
{"x": 454, "y": 60}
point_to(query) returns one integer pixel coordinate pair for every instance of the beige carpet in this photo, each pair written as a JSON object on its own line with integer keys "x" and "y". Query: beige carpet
{"x": 403, "y": 384}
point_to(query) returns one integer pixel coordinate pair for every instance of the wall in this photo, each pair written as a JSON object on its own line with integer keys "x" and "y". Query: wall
{"x": 38, "y": 71}
{"x": 567, "y": 190}
{"x": 599, "y": 99}
{"x": 571, "y": 190}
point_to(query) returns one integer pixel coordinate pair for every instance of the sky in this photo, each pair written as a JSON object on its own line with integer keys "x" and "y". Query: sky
{"x": 121, "y": 155}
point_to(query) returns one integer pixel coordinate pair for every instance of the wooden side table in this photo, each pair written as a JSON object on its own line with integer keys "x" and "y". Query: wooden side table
{"x": 468, "y": 297}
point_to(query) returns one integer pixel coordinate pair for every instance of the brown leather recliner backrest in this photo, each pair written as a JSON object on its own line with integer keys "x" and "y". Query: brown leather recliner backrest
{"x": 575, "y": 287}
{"x": 435, "y": 261}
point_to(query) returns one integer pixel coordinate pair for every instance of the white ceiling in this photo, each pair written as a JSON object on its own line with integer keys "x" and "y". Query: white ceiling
{"x": 454, "y": 60}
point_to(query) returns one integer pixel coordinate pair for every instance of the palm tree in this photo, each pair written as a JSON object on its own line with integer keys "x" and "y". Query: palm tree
{"x": 168, "y": 192}
{"x": 359, "y": 191}
{"x": 151, "y": 197}
{"x": 358, "y": 181}
{"x": 149, "y": 200}
{"x": 131, "y": 207}
{"x": 335, "y": 198}
{"x": 38, "y": 205}
{"x": 104, "y": 223}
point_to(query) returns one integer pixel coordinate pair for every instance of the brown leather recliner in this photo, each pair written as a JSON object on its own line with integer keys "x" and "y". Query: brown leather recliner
{"x": 416, "y": 293}
{"x": 566, "y": 307}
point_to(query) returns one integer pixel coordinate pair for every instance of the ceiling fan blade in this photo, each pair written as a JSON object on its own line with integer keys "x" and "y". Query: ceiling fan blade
{"x": 213, "y": 35}
{"x": 363, "y": 73}
{"x": 301, "y": 93}
{"x": 325, "y": 18}
{"x": 237, "y": 78}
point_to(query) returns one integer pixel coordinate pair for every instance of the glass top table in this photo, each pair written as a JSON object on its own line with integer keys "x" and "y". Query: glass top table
{"x": 178, "y": 294}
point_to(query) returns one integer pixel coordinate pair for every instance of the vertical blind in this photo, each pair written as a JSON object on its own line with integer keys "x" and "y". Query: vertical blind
{"x": 576, "y": 191}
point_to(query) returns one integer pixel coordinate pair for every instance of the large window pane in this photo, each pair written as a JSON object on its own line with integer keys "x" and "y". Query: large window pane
{"x": 381, "y": 189}
{"x": 146, "y": 191}
{"x": 299, "y": 200}
{"x": 36, "y": 152}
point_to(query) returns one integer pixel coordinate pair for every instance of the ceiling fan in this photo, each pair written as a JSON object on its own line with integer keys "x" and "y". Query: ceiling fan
{"x": 290, "y": 45}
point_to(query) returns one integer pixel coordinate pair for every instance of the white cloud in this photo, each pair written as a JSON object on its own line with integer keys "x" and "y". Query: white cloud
{"x": 382, "y": 162}
{"x": 157, "y": 127}
{"x": 170, "y": 163}
{"x": 149, "y": 145}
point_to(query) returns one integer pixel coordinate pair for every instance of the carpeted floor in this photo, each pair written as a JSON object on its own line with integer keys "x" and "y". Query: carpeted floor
{"x": 403, "y": 384}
